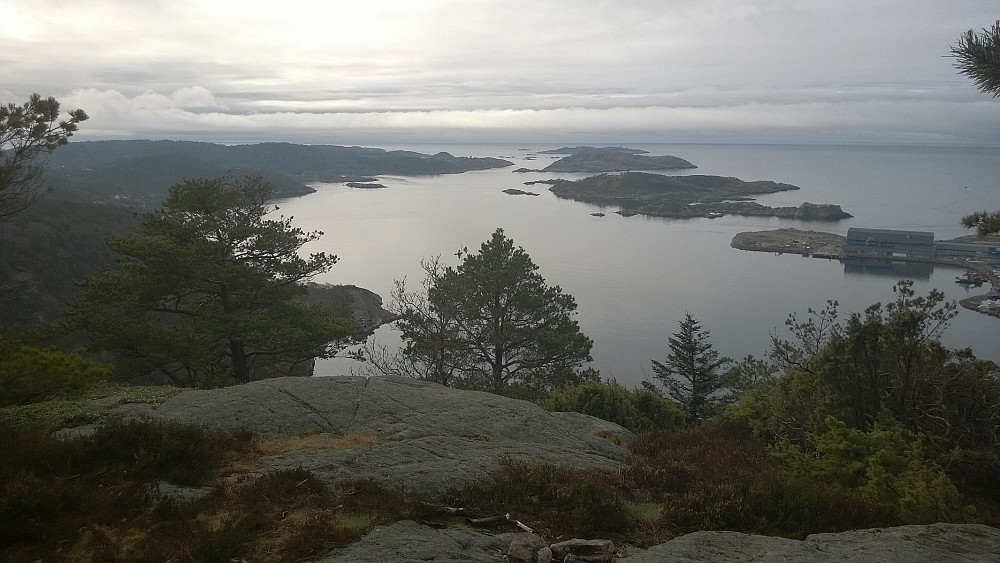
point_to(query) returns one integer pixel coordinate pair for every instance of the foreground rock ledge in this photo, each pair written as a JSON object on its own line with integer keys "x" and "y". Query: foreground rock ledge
{"x": 428, "y": 438}
{"x": 904, "y": 544}
{"x": 409, "y": 542}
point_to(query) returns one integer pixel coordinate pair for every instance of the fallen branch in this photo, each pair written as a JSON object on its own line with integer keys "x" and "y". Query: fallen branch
{"x": 479, "y": 518}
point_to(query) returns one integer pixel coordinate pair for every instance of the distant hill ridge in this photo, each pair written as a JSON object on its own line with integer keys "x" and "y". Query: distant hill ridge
{"x": 302, "y": 162}
{"x": 584, "y": 148}
{"x": 138, "y": 173}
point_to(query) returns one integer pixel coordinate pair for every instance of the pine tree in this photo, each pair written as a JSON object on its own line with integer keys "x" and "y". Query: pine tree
{"x": 28, "y": 132}
{"x": 492, "y": 323}
{"x": 978, "y": 57}
{"x": 212, "y": 285}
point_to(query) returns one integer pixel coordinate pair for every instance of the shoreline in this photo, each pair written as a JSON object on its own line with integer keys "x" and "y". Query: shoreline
{"x": 818, "y": 244}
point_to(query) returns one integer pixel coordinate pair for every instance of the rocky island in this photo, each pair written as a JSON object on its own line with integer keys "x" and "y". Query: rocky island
{"x": 683, "y": 197}
{"x": 515, "y": 191}
{"x": 814, "y": 243}
{"x": 609, "y": 159}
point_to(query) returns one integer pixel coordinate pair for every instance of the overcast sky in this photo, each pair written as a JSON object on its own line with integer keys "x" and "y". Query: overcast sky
{"x": 368, "y": 71}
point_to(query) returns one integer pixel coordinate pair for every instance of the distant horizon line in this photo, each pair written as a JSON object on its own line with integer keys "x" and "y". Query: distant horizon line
{"x": 561, "y": 143}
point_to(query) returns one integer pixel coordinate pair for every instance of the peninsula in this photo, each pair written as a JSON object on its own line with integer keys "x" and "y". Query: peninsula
{"x": 683, "y": 197}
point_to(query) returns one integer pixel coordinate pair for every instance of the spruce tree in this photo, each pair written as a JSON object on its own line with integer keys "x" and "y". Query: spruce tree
{"x": 693, "y": 374}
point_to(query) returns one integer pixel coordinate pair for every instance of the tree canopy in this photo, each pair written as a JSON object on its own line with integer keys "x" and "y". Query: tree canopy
{"x": 490, "y": 323}
{"x": 889, "y": 360}
{"x": 211, "y": 285}
{"x": 27, "y": 133}
{"x": 692, "y": 373}
{"x": 877, "y": 404}
{"x": 978, "y": 57}
{"x": 985, "y": 222}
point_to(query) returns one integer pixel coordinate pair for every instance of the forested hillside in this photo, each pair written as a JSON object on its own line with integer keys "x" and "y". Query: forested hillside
{"x": 51, "y": 248}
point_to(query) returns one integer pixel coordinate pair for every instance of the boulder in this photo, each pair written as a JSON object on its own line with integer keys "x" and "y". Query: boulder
{"x": 529, "y": 548}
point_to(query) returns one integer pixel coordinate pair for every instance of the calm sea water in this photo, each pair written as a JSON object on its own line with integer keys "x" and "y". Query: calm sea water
{"x": 634, "y": 278}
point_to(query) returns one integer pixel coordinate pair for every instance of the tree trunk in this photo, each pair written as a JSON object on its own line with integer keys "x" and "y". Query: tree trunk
{"x": 241, "y": 368}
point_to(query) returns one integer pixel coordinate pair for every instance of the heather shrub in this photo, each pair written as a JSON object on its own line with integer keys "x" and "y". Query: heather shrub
{"x": 553, "y": 499}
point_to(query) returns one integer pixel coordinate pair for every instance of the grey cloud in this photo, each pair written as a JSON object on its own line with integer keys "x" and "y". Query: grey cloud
{"x": 679, "y": 68}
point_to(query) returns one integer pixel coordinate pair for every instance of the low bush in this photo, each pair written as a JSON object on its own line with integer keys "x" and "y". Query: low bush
{"x": 638, "y": 409}
{"x": 29, "y": 374}
{"x": 718, "y": 476}
{"x": 886, "y": 464}
{"x": 183, "y": 454}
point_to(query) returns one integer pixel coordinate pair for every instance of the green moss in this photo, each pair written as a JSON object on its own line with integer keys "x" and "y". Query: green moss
{"x": 89, "y": 406}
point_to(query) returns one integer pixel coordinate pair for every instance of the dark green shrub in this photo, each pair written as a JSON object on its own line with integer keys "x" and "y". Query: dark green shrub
{"x": 29, "y": 374}
{"x": 637, "y": 410}
{"x": 886, "y": 464}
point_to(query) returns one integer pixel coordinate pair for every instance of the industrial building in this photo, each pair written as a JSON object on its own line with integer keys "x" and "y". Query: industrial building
{"x": 889, "y": 243}
{"x": 972, "y": 250}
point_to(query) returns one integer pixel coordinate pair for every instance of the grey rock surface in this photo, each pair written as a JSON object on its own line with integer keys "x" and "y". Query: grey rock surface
{"x": 529, "y": 548}
{"x": 429, "y": 438}
{"x": 950, "y": 543}
{"x": 409, "y": 542}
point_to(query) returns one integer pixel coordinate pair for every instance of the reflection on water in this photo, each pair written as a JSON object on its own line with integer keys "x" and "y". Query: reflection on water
{"x": 634, "y": 278}
{"x": 894, "y": 269}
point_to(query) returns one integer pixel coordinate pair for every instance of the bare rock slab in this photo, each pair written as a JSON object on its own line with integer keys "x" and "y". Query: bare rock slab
{"x": 409, "y": 542}
{"x": 429, "y": 438}
{"x": 948, "y": 543}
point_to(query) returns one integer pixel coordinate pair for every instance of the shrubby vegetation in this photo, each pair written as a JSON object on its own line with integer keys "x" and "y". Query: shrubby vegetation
{"x": 90, "y": 499}
{"x": 876, "y": 404}
{"x": 637, "y": 409}
{"x": 29, "y": 374}
{"x": 861, "y": 422}
{"x": 870, "y": 421}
